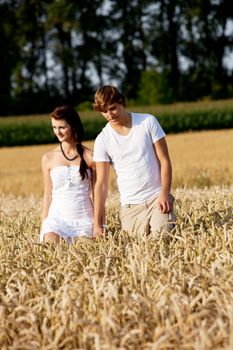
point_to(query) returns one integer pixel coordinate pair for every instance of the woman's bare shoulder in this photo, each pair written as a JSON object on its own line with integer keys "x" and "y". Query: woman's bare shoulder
{"x": 48, "y": 157}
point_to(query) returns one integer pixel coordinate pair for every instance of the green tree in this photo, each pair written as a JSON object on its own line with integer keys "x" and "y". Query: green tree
{"x": 77, "y": 35}
{"x": 30, "y": 88}
{"x": 154, "y": 89}
{"x": 205, "y": 46}
{"x": 165, "y": 34}
{"x": 156, "y": 51}
{"x": 128, "y": 19}
{"x": 10, "y": 52}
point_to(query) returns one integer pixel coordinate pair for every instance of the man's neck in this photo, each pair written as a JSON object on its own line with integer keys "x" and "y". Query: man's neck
{"x": 123, "y": 128}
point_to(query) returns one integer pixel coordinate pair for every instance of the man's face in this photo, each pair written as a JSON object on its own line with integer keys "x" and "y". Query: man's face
{"x": 114, "y": 113}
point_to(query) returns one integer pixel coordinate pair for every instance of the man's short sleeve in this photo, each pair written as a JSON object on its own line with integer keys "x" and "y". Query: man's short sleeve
{"x": 155, "y": 129}
{"x": 100, "y": 151}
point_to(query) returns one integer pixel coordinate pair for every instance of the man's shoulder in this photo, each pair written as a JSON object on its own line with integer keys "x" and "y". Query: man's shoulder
{"x": 142, "y": 116}
{"x": 104, "y": 132}
{"x": 102, "y": 138}
{"x": 145, "y": 119}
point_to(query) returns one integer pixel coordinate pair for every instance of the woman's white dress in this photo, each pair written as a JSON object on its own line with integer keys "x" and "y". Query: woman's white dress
{"x": 71, "y": 210}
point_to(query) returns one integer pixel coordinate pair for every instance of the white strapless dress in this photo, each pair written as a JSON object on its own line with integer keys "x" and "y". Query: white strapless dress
{"x": 71, "y": 210}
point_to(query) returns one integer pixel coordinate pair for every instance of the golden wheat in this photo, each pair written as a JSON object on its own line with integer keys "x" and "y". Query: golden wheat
{"x": 159, "y": 292}
{"x": 199, "y": 159}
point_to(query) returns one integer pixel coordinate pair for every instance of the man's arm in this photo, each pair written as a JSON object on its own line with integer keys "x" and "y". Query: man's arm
{"x": 165, "y": 201}
{"x": 100, "y": 195}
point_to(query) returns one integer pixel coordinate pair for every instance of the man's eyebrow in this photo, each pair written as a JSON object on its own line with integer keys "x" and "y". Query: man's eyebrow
{"x": 105, "y": 109}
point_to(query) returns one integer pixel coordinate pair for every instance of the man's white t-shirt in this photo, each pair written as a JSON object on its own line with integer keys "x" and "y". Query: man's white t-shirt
{"x": 133, "y": 158}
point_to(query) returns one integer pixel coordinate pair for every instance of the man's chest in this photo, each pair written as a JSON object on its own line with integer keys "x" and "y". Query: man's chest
{"x": 126, "y": 148}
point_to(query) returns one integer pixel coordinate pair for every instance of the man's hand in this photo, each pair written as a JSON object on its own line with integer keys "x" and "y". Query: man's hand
{"x": 165, "y": 203}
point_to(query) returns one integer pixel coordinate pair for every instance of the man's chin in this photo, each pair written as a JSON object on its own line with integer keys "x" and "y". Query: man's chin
{"x": 113, "y": 120}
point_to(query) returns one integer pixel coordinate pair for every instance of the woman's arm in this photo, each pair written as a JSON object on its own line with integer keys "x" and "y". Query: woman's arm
{"x": 47, "y": 187}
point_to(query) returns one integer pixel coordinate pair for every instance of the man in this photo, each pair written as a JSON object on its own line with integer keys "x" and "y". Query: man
{"x": 135, "y": 145}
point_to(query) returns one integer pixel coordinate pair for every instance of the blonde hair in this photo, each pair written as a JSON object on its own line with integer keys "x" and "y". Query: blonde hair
{"x": 106, "y": 96}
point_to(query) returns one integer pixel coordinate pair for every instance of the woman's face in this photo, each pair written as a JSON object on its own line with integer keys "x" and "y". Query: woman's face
{"x": 62, "y": 130}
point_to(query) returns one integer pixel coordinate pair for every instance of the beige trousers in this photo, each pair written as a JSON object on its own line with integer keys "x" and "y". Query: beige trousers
{"x": 145, "y": 218}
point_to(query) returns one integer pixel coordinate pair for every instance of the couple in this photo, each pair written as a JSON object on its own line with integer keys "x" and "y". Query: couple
{"x": 134, "y": 144}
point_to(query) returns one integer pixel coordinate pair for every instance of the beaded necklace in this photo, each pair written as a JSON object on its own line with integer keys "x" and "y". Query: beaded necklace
{"x": 63, "y": 152}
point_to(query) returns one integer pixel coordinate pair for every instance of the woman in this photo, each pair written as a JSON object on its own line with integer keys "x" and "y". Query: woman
{"x": 68, "y": 173}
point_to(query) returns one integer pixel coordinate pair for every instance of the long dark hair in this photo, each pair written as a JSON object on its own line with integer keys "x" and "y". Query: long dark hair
{"x": 71, "y": 116}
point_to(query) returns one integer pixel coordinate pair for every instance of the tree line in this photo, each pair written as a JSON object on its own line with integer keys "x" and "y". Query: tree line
{"x": 158, "y": 51}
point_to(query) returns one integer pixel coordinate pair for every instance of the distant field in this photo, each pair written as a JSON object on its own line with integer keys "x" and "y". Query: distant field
{"x": 199, "y": 159}
{"x": 175, "y": 118}
{"x": 156, "y": 110}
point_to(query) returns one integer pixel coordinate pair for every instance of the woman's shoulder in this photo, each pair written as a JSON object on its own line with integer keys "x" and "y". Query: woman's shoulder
{"x": 49, "y": 156}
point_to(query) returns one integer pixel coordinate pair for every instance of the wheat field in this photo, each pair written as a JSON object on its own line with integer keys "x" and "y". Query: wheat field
{"x": 158, "y": 292}
{"x": 200, "y": 159}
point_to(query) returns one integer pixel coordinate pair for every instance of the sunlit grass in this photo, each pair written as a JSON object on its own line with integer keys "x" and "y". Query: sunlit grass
{"x": 199, "y": 159}
{"x": 122, "y": 292}
{"x": 159, "y": 292}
